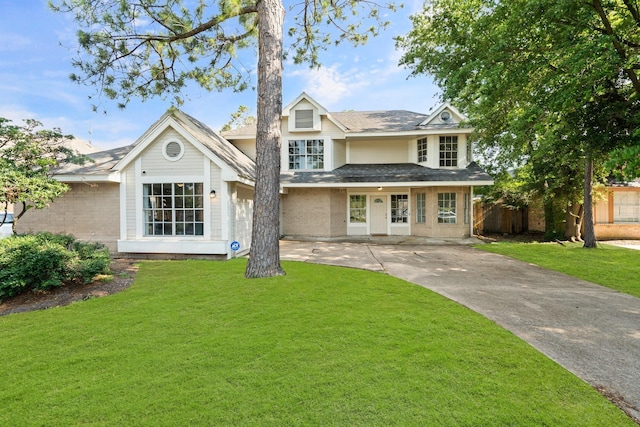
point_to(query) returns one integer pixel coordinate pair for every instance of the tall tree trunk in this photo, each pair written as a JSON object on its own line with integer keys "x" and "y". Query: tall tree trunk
{"x": 589, "y": 231}
{"x": 573, "y": 221}
{"x": 264, "y": 258}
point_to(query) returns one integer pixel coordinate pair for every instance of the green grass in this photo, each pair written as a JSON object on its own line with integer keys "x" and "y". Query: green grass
{"x": 194, "y": 343}
{"x": 611, "y": 266}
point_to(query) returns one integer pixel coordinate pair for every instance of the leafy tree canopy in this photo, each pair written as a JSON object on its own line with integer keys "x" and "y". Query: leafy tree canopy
{"x": 28, "y": 157}
{"x": 150, "y": 48}
{"x": 542, "y": 81}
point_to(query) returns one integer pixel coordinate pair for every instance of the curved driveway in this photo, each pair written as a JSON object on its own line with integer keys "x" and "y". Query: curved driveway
{"x": 592, "y": 331}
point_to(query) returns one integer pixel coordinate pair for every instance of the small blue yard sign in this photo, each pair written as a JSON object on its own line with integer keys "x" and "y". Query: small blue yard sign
{"x": 235, "y": 245}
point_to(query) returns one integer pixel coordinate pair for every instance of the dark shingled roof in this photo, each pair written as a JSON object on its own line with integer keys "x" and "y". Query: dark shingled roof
{"x": 227, "y": 152}
{"x": 390, "y": 172}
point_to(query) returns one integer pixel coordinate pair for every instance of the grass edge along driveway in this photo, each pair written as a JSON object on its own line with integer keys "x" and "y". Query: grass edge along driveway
{"x": 195, "y": 343}
{"x": 610, "y": 266}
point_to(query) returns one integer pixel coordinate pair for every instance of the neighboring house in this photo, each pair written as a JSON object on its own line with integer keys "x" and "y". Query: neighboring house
{"x": 373, "y": 173}
{"x": 179, "y": 189}
{"x": 183, "y": 189}
{"x": 617, "y": 216}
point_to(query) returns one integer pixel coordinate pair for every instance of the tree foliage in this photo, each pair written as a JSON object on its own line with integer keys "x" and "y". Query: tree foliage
{"x": 242, "y": 117}
{"x": 28, "y": 158}
{"x": 148, "y": 48}
{"x": 549, "y": 83}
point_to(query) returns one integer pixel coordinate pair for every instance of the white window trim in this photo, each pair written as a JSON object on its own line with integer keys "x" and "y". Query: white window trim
{"x": 328, "y": 153}
{"x": 316, "y": 120}
{"x": 139, "y": 207}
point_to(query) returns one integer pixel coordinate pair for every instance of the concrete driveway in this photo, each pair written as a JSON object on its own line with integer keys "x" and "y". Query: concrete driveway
{"x": 592, "y": 331}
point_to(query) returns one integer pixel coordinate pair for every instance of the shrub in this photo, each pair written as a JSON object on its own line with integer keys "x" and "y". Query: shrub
{"x": 44, "y": 260}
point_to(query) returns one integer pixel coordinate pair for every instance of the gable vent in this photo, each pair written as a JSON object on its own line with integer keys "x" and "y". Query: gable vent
{"x": 173, "y": 149}
{"x": 304, "y": 119}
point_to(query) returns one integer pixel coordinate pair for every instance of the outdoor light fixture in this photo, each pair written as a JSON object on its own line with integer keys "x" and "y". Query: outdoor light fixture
{"x": 212, "y": 195}
{"x": 379, "y": 188}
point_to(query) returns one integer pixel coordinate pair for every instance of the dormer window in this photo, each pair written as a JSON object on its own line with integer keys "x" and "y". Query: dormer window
{"x": 304, "y": 119}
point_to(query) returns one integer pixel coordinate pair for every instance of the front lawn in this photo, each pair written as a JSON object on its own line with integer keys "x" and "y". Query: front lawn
{"x": 611, "y": 266}
{"x": 195, "y": 343}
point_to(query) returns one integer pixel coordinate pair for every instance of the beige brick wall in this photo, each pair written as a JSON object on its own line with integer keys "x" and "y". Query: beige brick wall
{"x": 314, "y": 212}
{"x": 89, "y": 212}
{"x": 431, "y": 228}
{"x": 617, "y": 231}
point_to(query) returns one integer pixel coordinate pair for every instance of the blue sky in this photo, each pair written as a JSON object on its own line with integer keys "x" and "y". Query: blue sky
{"x": 34, "y": 80}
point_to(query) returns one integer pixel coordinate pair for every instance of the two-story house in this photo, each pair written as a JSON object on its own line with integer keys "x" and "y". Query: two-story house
{"x": 357, "y": 173}
{"x": 182, "y": 188}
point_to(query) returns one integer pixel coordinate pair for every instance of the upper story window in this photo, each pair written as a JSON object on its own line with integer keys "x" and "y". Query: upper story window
{"x": 449, "y": 151}
{"x": 303, "y": 119}
{"x": 422, "y": 150}
{"x": 306, "y": 154}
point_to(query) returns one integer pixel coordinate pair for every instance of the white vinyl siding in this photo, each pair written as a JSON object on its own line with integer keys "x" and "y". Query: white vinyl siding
{"x": 154, "y": 162}
{"x": 363, "y": 152}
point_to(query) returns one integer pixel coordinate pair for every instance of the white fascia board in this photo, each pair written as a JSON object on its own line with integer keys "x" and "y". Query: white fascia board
{"x": 389, "y": 184}
{"x": 240, "y": 136}
{"x": 89, "y": 178}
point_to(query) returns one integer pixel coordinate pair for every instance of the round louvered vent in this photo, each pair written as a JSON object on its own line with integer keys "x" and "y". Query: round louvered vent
{"x": 173, "y": 150}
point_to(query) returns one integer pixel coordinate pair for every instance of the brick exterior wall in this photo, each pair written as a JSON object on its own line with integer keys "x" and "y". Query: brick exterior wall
{"x": 314, "y": 212}
{"x": 89, "y": 212}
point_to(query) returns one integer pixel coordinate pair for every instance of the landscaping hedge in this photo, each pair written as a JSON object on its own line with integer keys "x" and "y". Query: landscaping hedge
{"x": 43, "y": 261}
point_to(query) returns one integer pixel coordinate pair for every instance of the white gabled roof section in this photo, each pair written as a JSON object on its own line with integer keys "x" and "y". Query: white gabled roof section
{"x": 286, "y": 111}
{"x": 184, "y": 126}
{"x": 434, "y": 118}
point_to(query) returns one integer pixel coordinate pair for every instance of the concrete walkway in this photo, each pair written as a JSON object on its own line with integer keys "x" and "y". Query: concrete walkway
{"x": 592, "y": 331}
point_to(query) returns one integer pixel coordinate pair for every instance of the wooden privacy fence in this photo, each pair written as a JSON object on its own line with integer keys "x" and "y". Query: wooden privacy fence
{"x": 490, "y": 218}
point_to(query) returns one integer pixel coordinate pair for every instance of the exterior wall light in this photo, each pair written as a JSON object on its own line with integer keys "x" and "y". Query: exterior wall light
{"x": 379, "y": 188}
{"x": 212, "y": 195}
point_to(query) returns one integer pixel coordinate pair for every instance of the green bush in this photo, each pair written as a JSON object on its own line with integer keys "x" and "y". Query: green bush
{"x": 44, "y": 261}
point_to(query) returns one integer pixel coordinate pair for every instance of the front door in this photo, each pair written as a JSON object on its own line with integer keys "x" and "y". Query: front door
{"x": 379, "y": 215}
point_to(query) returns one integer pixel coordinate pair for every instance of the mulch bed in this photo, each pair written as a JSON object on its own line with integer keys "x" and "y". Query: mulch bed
{"x": 124, "y": 271}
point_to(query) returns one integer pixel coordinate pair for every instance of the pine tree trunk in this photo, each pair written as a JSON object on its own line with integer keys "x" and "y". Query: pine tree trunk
{"x": 264, "y": 258}
{"x": 589, "y": 231}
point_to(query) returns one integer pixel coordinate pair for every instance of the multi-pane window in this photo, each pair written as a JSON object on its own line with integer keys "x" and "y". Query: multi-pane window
{"x": 173, "y": 209}
{"x": 421, "y": 208}
{"x": 358, "y": 208}
{"x": 449, "y": 151}
{"x": 304, "y": 119}
{"x": 447, "y": 208}
{"x": 422, "y": 150}
{"x": 306, "y": 154}
{"x": 399, "y": 208}
{"x": 626, "y": 206}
